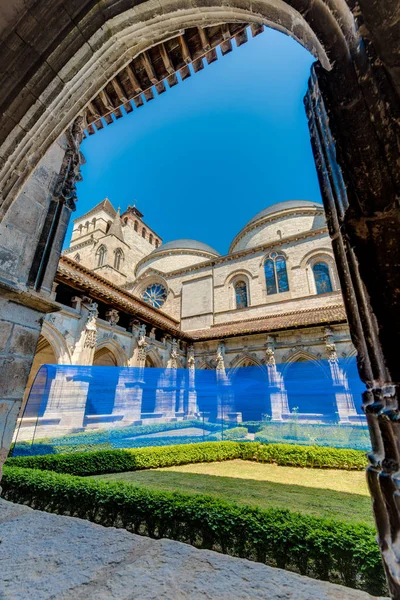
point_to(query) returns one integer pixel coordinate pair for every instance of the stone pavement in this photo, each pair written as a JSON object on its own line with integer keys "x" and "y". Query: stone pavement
{"x": 46, "y": 556}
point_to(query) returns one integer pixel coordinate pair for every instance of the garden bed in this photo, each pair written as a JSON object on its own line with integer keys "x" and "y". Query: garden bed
{"x": 339, "y": 551}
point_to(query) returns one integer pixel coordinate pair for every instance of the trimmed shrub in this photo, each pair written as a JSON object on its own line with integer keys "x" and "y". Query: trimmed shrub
{"x": 325, "y": 549}
{"x": 117, "y": 461}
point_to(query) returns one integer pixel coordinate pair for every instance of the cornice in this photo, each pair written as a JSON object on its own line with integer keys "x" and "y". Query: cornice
{"x": 242, "y": 253}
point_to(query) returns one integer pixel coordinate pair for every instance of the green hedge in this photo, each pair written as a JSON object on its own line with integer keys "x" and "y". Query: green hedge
{"x": 117, "y": 461}
{"x": 339, "y": 552}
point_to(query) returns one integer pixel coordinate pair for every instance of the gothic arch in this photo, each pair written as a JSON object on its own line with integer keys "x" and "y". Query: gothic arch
{"x": 244, "y": 359}
{"x": 155, "y": 358}
{"x": 206, "y": 365}
{"x": 57, "y": 342}
{"x": 299, "y": 356}
{"x": 116, "y": 350}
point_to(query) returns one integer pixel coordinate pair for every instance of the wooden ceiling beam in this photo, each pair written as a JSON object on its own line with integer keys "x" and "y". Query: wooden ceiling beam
{"x": 205, "y": 42}
{"x": 256, "y": 29}
{"x": 137, "y": 88}
{"x": 122, "y": 96}
{"x": 149, "y": 67}
{"x": 106, "y": 100}
{"x": 169, "y": 67}
{"x": 187, "y": 57}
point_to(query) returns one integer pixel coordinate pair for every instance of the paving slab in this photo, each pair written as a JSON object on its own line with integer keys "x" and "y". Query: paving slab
{"x": 51, "y": 557}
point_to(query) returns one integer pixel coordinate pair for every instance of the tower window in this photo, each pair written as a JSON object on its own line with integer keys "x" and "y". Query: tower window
{"x": 143, "y": 233}
{"x": 276, "y": 276}
{"x": 157, "y": 243}
{"x": 117, "y": 258}
{"x": 241, "y": 294}
{"x": 150, "y": 238}
{"x": 322, "y": 278}
{"x": 135, "y": 226}
{"x": 101, "y": 256}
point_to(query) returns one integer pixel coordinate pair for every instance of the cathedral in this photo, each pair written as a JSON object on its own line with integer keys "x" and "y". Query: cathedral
{"x": 127, "y": 299}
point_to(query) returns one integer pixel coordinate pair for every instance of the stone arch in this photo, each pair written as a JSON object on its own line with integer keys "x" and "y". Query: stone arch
{"x": 323, "y": 255}
{"x": 317, "y": 397}
{"x": 244, "y": 359}
{"x": 249, "y": 383}
{"x": 234, "y": 278}
{"x": 154, "y": 357}
{"x": 51, "y": 349}
{"x": 58, "y": 343}
{"x": 113, "y": 350}
{"x": 327, "y": 31}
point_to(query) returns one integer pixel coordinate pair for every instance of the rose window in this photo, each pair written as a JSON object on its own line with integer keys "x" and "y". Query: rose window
{"x": 155, "y": 295}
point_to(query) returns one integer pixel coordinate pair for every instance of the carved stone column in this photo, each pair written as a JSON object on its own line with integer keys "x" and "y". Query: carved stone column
{"x": 353, "y": 123}
{"x": 130, "y": 397}
{"x": 344, "y": 398}
{"x": 278, "y": 395}
{"x": 167, "y": 387}
{"x": 225, "y": 396}
{"x": 86, "y": 345}
{"x": 192, "y": 408}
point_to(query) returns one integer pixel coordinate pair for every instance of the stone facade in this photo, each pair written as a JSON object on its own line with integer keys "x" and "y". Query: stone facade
{"x": 204, "y": 323}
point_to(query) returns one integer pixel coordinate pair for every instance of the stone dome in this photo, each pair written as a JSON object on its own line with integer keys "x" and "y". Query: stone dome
{"x": 279, "y": 221}
{"x": 185, "y": 244}
{"x": 176, "y": 254}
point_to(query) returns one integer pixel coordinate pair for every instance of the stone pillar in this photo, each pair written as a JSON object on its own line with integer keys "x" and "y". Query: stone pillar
{"x": 225, "y": 396}
{"x": 192, "y": 408}
{"x": 85, "y": 348}
{"x": 130, "y": 400}
{"x": 167, "y": 389}
{"x": 353, "y": 116}
{"x": 344, "y": 398}
{"x": 129, "y": 394}
{"x": 32, "y": 230}
{"x": 65, "y": 409}
{"x": 276, "y": 386}
{"x": 20, "y": 327}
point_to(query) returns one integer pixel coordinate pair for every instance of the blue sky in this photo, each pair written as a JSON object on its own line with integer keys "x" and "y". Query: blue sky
{"x": 211, "y": 152}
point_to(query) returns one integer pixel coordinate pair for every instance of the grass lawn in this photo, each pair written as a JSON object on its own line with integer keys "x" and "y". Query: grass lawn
{"x": 326, "y": 493}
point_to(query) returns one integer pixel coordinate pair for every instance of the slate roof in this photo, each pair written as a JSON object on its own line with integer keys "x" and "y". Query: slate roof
{"x": 103, "y": 205}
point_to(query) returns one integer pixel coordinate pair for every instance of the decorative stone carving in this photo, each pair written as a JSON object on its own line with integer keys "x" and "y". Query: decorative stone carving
{"x": 142, "y": 344}
{"x": 330, "y": 345}
{"x": 190, "y": 361}
{"x": 91, "y": 326}
{"x": 70, "y": 170}
{"x": 220, "y": 357}
{"x": 270, "y": 352}
{"x": 174, "y": 354}
{"x": 112, "y": 316}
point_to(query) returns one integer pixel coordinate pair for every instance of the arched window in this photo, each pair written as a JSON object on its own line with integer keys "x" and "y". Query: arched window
{"x": 157, "y": 243}
{"x": 135, "y": 226}
{"x": 322, "y": 278}
{"x": 150, "y": 238}
{"x": 118, "y": 254}
{"x": 77, "y": 258}
{"x": 241, "y": 294}
{"x": 143, "y": 233}
{"x": 94, "y": 222}
{"x": 276, "y": 274}
{"x": 101, "y": 256}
